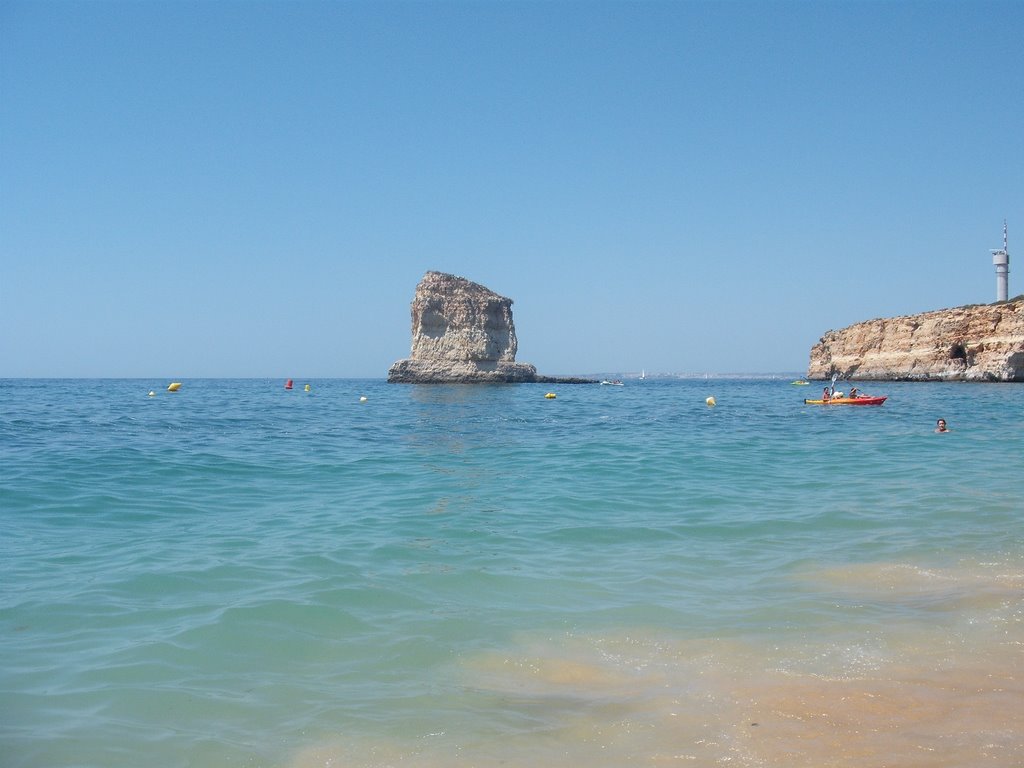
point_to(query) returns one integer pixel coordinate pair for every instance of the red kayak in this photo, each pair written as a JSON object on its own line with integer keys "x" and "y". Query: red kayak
{"x": 848, "y": 401}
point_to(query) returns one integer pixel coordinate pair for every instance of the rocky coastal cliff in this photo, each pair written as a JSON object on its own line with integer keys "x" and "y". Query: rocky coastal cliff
{"x": 975, "y": 343}
{"x": 463, "y": 332}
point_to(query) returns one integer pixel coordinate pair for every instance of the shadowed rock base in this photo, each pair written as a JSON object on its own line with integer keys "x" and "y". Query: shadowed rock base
{"x": 427, "y": 371}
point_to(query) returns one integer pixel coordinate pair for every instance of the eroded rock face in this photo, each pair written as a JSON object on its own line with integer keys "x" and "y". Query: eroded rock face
{"x": 456, "y": 320}
{"x": 461, "y": 332}
{"x": 978, "y": 343}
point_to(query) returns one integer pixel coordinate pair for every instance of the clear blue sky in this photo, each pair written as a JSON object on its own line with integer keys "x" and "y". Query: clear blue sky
{"x": 255, "y": 189}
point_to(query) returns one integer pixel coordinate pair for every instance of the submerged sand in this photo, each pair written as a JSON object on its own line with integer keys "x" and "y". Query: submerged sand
{"x": 941, "y": 690}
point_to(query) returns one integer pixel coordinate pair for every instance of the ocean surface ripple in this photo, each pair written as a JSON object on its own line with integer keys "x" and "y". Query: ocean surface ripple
{"x": 237, "y": 574}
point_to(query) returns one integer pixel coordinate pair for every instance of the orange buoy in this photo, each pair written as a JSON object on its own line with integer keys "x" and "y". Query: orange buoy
{"x": 288, "y": 384}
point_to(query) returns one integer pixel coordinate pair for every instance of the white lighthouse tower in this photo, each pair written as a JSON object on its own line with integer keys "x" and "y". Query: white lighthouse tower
{"x": 1001, "y": 259}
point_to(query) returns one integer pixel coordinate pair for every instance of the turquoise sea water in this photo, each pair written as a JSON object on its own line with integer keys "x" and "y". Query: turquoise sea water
{"x": 239, "y": 575}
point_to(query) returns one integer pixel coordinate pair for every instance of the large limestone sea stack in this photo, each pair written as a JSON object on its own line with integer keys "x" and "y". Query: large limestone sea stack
{"x": 976, "y": 343}
{"x": 462, "y": 333}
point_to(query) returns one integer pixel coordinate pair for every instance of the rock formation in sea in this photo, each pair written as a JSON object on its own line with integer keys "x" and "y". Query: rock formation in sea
{"x": 974, "y": 343}
{"x": 463, "y": 332}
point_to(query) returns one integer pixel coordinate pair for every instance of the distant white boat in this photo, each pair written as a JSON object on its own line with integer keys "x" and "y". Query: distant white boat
{"x": 615, "y": 383}
{"x": 643, "y": 374}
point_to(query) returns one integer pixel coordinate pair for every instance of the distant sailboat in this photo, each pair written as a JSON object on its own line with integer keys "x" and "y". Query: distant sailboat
{"x": 643, "y": 374}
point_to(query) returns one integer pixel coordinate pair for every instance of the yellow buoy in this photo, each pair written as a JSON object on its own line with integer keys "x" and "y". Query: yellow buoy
{"x": 174, "y": 386}
{"x": 710, "y": 401}
{"x": 550, "y": 395}
{"x": 307, "y": 387}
